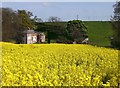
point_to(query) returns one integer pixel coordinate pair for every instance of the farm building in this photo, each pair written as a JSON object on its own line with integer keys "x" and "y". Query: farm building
{"x": 31, "y": 36}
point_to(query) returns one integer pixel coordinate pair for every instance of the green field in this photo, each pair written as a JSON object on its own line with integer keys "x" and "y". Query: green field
{"x": 99, "y": 32}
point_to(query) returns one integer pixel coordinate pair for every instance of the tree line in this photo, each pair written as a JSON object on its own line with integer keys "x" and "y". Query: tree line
{"x": 72, "y": 31}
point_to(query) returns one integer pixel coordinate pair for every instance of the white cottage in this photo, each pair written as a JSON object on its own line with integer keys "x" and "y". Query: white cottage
{"x": 30, "y": 36}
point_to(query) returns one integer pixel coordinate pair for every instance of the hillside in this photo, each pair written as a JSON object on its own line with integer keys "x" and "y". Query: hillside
{"x": 99, "y": 32}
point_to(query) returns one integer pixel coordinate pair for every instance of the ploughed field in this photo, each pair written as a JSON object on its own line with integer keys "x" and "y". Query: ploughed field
{"x": 58, "y": 65}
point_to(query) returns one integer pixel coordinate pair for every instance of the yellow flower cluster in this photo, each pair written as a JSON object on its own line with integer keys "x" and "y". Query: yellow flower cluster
{"x": 58, "y": 65}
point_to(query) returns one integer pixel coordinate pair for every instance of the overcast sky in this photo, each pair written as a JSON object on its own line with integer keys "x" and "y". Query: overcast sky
{"x": 66, "y": 10}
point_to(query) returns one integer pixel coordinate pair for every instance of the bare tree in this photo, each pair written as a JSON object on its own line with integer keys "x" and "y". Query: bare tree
{"x": 36, "y": 19}
{"x": 54, "y": 19}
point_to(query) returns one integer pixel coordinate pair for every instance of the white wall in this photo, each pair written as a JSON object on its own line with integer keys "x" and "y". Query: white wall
{"x": 31, "y": 39}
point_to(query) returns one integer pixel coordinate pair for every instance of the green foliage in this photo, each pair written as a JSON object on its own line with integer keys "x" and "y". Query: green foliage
{"x": 53, "y": 30}
{"x": 26, "y": 22}
{"x": 116, "y": 26}
{"x": 64, "y": 32}
{"x": 76, "y": 31}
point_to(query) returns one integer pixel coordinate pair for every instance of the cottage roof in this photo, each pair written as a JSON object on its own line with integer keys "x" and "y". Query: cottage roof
{"x": 29, "y": 31}
{"x": 32, "y": 32}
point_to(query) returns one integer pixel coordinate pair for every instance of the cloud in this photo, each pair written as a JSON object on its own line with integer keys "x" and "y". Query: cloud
{"x": 45, "y": 3}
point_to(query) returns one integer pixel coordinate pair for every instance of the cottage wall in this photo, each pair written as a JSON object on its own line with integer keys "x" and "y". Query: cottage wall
{"x": 31, "y": 38}
{"x": 42, "y": 38}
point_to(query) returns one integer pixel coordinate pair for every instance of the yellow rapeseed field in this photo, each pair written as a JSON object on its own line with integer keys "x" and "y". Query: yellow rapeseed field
{"x": 58, "y": 65}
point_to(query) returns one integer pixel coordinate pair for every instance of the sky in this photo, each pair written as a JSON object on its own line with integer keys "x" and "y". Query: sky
{"x": 58, "y": 0}
{"x": 90, "y": 11}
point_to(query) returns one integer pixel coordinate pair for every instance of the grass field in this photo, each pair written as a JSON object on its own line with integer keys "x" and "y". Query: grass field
{"x": 58, "y": 65}
{"x": 99, "y": 32}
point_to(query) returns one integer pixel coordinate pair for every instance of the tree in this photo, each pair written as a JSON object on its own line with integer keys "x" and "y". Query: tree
{"x": 26, "y": 23}
{"x": 52, "y": 30}
{"x": 25, "y": 19}
{"x": 116, "y": 26}
{"x": 36, "y": 19}
{"x": 76, "y": 31}
{"x": 10, "y": 24}
{"x": 54, "y": 19}
{"x": 14, "y": 23}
